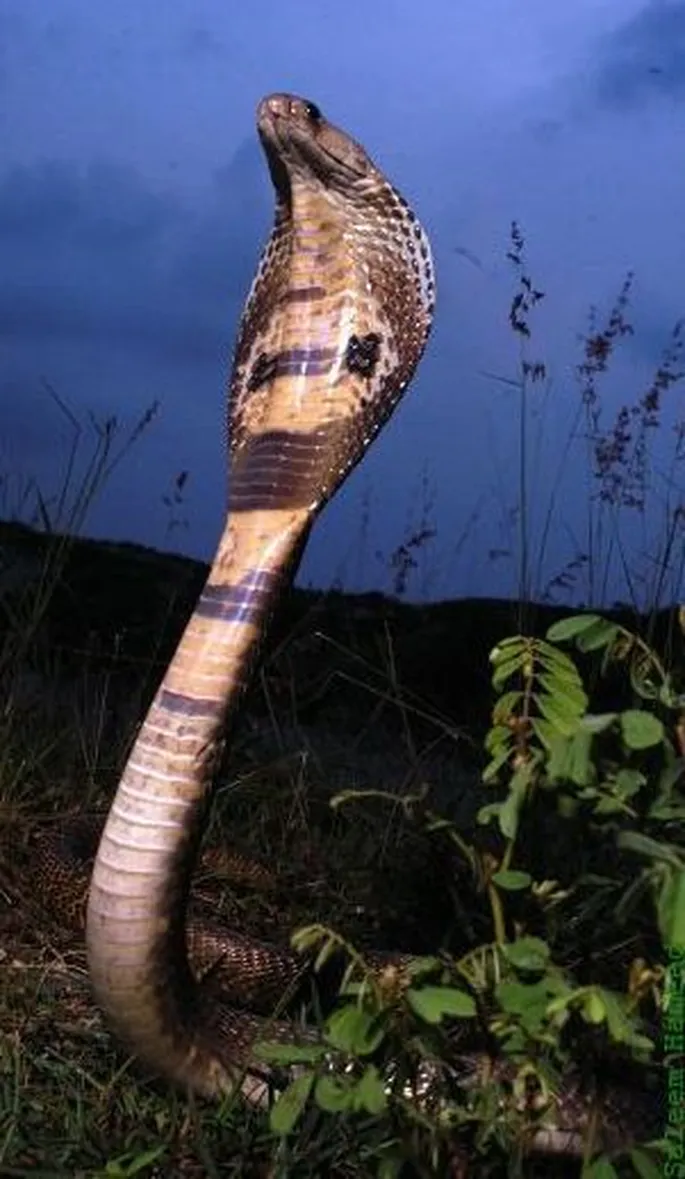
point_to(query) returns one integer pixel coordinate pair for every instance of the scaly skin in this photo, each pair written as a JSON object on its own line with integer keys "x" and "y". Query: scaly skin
{"x": 333, "y": 329}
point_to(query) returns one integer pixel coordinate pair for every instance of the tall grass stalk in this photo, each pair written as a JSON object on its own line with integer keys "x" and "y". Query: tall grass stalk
{"x": 623, "y": 482}
{"x": 96, "y": 448}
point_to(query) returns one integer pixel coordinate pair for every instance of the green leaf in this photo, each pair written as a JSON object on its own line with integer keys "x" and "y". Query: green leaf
{"x": 506, "y": 647}
{"x": 518, "y": 998}
{"x": 505, "y": 706}
{"x": 513, "y": 803}
{"x": 568, "y": 628}
{"x": 309, "y": 937}
{"x": 506, "y": 669}
{"x": 547, "y": 734}
{"x": 497, "y": 737}
{"x": 432, "y": 1003}
{"x": 598, "y": 722}
{"x": 629, "y": 782}
{"x": 609, "y": 804}
{"x": 371, "y": 1095}
{"x": 652, "y": 849}
{"x": 580, "y": 768}
{"x": 515, "y": 1041}
{"x": 527, "y": 953}
{"x": 493, "y": 767}
{"x": 671, "y": 775}
{"x": 573, "y": 695}
{"x": 667, "y": 812}
{"x": 599, "y": 1168}
{"x": 131, "y": 1163}
{"x": 334, "y": 1094}
{"x": 645, "y": 1164}
{"x": 621, "y": 1024}
{"x": 512, "y": 881}
{"x": 353, "y": 1030}
{"x": 287, "y": 1109}
{"x": 488, "y": 812}
{"x": 555, "y": 710}
{"x": 641, "y": 729}
{"x": 559, "y": 757}
{"x": 671, "y": 908}
{"x": 418, "y": 968}
{"x": 559, "y": 663}
{"x": 509, "y": 812}
{"x": 602, "y": 634}
{"x": 594, "y": 1008}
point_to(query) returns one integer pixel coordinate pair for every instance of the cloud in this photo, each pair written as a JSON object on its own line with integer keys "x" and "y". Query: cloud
{"x": 119, "y": 295}
{"x": 645, "y": 58}
{"x": 97, "y": 253}
{"x": 80, "y": 249}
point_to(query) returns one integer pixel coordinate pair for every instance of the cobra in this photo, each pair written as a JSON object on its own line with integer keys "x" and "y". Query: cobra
{"x": 334, "y": 326}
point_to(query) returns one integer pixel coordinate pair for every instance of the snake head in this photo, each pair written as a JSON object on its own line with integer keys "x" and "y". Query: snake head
{"x": 336, "y": 319}
{"x": 301, "y": 145}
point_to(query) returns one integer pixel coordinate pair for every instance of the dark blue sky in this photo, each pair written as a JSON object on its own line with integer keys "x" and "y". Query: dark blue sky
{"x": 134, "y": 202}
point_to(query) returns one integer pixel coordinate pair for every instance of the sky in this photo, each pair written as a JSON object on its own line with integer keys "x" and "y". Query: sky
{"x": 134, "y": 203}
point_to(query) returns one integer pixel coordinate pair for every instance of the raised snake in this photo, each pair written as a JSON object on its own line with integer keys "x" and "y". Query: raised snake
{"x": 334, "y": 326}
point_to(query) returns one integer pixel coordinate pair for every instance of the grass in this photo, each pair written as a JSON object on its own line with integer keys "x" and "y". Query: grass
{"x": 603, "y": 483}
{"x": 335, "y": 706}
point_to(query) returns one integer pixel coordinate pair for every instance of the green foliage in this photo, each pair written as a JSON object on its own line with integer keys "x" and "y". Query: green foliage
{"x": 374, "y": 1043}
{"x": 612, "y": 778}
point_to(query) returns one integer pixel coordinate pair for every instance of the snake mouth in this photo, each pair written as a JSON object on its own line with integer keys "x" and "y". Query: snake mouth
{"x": 300, "y": 143}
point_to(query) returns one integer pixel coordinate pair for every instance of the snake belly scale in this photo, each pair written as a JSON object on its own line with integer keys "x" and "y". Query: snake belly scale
{"x": 334, "y": 325}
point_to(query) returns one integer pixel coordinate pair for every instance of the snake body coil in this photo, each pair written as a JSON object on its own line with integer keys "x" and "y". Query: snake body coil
{"x": 334, "y": 326}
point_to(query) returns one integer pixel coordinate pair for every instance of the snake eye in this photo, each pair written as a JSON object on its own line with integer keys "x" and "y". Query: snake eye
{"x": 312, "y": 112}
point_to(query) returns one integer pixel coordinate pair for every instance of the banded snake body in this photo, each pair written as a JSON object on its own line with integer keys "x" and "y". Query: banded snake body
{"x": 334, "y": 326}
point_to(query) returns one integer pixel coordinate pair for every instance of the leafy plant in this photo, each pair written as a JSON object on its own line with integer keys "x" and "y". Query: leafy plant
{"x": 387, "y": 1054}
